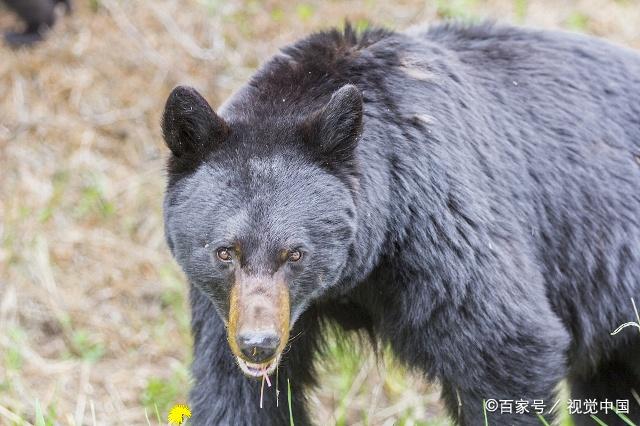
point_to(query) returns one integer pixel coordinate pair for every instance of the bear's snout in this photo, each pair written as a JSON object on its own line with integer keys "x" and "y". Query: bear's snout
{"x": 259, "y": 346}
{"x": 259, "y": 317}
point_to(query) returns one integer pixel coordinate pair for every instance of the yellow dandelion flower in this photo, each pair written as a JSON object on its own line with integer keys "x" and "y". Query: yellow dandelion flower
{"x": 178, "y": 413}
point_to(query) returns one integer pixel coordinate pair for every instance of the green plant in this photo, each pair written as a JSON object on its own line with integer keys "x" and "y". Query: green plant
{"x": 304, "y": 11}
{"x": 577, "y": 21}
{"x": 160, "y": 393}
{"x": 86, "y": 347}
{"x": 520, "y": 7}
{"x": 289, "y": 402}
{"x": 456, "y": 9}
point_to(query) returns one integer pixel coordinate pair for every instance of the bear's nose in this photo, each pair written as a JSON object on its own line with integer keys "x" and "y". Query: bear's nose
{"x": 258, "y": 346}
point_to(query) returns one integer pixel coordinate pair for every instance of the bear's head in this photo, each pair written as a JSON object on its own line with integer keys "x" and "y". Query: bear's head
{"x": 260, "y": 211}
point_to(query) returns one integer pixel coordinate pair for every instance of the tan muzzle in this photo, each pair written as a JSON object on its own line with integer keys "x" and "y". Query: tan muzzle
{"x": 258, "y": 328}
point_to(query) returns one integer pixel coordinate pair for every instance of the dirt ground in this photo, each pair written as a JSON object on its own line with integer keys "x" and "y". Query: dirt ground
{"x": 94, "y": 320}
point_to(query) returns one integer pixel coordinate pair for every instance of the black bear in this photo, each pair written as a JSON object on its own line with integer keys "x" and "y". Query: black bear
{"x": 38, "y": 16}
{"x": 467, "y": 194}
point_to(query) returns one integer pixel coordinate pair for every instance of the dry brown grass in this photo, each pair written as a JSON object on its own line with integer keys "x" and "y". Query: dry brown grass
{"x": 93, "y": 313}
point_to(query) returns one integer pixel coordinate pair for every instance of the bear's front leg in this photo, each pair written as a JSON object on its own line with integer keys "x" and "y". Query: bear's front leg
{"x": 223, "y": 395}
{"x": 509, "y": 374}
{"x": 481, "y": 324}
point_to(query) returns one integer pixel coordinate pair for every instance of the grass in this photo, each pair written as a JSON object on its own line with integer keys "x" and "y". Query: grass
{"x": 520, "y": 9}
{"x": 631, "y": 323}
{"x": 359, "y": 385}
{"x": 289, "y": 403}
{"x": 484, "y": 412}
{"x": 160, "y": 393}
{"x": 578, "y": 21}
{"x": 94, "y": 317}
{"x": 85, "y": 347}
{"x": 625, "y": 419}
{"x": 13, "y": 359}
{"x": 543, "y": 420}
{"x": 456, "y": 9}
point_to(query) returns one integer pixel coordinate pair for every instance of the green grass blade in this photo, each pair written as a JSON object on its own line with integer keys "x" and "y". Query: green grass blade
{"x": 543, "y": 420}
{"x": 624, "y": 418}
{"x": 597, "y": 420}
{"x": 289, "y": 400}
{"x": 157, "y": 413}
{"x": 39, "y": 417}
{"x": 484, "y": 410}
{"x": 146, "y": 416}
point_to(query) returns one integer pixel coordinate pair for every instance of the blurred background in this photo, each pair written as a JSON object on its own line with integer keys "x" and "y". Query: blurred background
{"x": 94, "y": 316}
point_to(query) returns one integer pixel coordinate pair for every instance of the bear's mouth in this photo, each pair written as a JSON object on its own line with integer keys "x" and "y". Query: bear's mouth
{"x": 258, "y": 370}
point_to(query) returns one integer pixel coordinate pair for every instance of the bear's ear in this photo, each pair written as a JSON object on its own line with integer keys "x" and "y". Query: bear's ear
{"x": 337, "y": 126}
{"x": 190, "y": 126}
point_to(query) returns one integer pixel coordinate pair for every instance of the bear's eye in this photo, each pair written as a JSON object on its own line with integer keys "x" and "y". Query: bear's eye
{"x": 224, "y": 254}
{"x": 294, "y": 256}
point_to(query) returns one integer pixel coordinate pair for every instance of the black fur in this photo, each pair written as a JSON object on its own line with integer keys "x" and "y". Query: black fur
{"x": 476, "y": 207}
{"x": 38, "y": 16}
